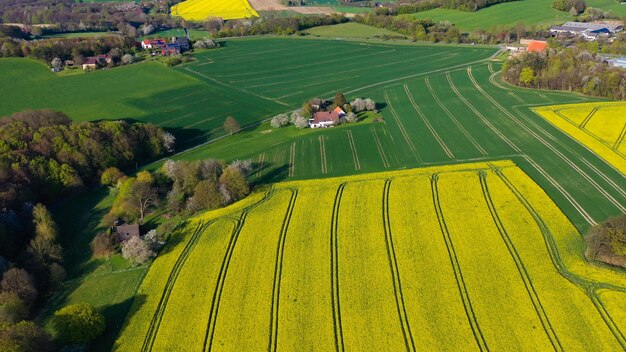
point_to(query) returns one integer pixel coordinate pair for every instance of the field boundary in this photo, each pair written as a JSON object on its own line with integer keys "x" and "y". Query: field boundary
{"x": 547, "y": 144}
{"x": 587, "y": 286}
{"x": 519, "y": 263}
{"x": 334, "y": 271}
{"x": 395, "y": 272}
{"x": 456, "y": 267}
{"x": 278, "y": 272}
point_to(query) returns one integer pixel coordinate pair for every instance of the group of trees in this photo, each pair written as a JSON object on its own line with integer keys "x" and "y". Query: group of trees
{"x": 269, "y": 25}
{"x": 575, "y": 7}
{"x": 179, "y": 186}
{"x": 606, "y": 242}
{"x": 75, "y": 49}
{"x": 569, "y": 69}
{"x": 43, "y": 153}
{"x": 70, "y": 15}
{"x": 417, "y": 29}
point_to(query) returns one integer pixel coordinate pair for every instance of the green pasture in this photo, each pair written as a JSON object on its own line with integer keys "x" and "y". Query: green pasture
{"x": 614, "y": 6}
{"x": 351, "y": 30}
{"x": 78, "y": 35}
{"x": 529, "y": 12}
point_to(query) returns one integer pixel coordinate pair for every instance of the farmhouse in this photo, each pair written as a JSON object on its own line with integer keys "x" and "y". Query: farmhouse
{"x": 153, "y": 43}
{"x": 183, "y": 43}
{"x": 125, "y": 232}
{"x": 324, "y": 119}
{"x": 93, "y": 62}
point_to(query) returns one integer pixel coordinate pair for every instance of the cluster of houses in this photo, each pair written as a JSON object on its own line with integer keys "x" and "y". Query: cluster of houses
{"x": 589, "y": 31}
{"x": 160, "y": 46}
{"x": 323, "y": 119}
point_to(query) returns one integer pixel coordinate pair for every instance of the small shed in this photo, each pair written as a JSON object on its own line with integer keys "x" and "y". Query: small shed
{"x": 127, "y": 231}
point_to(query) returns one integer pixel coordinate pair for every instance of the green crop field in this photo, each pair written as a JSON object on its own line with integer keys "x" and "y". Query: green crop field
{"x": 351, "y": 30}
{"x": 528, "y": 11}
{"x": 466, "y": 257}
{"x": 194, "y": 99}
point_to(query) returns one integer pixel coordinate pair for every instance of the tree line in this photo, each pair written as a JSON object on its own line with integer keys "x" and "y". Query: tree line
{"x": 570, "y": 69}
{"x": 269, "y": 25}
{"x": 44, "y": 154}
{"x": 70, "y": 15}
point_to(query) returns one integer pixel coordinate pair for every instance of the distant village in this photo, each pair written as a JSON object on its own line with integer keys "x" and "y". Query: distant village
{"x": 588, "y": 31}
{"x": 153, "y": 47}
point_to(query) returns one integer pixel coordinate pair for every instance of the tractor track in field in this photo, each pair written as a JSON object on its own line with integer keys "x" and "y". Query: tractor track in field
{"x": 430, "y": 127}
{"x": 380, "y": 148}
{"x": 395, "y": 272}
{"x": 334, "y": 271}
{"x": 484, "y": 120}
{"x": 219, "y": 286}
{"x": 620, "y": 139}
{"x": 588, "y": 117}
{"x": 261, "y": 165}
{"x": 521, "y": 268}
{"x": 324, "y": 164}
{"x": 456, "y": 267}
{"x": 292, "y": 159}
{"x": 278, "y": 270}
{"x": 155, "y": 323}
{"x": 456, "y": 122}
{"x": 403, "y": 131}
{"x": 546, "y": 143}
{"x": 355, "y": 155}
{"x": 589, "y": 287}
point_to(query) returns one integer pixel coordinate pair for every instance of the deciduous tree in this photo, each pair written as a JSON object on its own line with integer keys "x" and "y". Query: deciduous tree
{"x": 231, "y": 125}
{"x": 78, "y": 324}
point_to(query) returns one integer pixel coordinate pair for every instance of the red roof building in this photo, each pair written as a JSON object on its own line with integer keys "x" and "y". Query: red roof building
{"x": 324, "y": 119}
{"x": 537, "y": 46}
{"x": 153, "y": 43}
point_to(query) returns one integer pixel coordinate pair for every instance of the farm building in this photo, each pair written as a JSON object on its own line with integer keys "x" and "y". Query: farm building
{"x": 153, "y": 43}
{"x": 537, "y": 46}
{"x": 589, "y": 31}
{"x": 93, "y": 62}
{"x": 183, "y": 43}
{"x": 318, "y": 103}
{"x": 170, "y": 49}
{"x": 125, "y": 232}
{"x": 324, "y": 119}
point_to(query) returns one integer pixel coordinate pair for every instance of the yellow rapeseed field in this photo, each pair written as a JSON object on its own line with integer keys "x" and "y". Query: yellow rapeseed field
{"x": 461, "y": 258}
{"x": 200, "y": 10}
{"x": 601, "y": 127}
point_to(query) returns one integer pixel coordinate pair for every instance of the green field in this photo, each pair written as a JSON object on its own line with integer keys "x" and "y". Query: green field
{"x": 194, "y": 34}
{"x": 194, "y": 99}
{"x": 466, "y": 257}
{"x": 351, "y": 30}
{"x": 529, "y": 12}
{"x": 78, "y": 35}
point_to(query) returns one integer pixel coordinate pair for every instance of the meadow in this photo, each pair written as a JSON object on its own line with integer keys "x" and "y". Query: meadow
{"x": 200, "y": 10}
{"x": 529, "y": 12}
{"x": 601, "y": 127}
{"x": 194, "y": 99}
{"x": 351, "y": 30}
{"x": 392, "y": 260}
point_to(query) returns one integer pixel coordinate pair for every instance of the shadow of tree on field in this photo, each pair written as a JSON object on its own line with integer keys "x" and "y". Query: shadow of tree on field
{"x": 116, "y": 315}
{"x": 272, "y": 175}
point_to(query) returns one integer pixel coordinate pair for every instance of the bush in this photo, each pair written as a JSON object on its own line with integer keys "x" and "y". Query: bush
{"x": 110, "y": 176}
{"x": 12, "y": 308}
{"x": 19, "y": 282}
{"x": 137, "y": 251}
{"x": 24, "y": 337}
{"x": 78, "y": 324}
{"x": 103, "y": 245}
{"x": 299, "y": 121}
{"x": 279, "y": 121}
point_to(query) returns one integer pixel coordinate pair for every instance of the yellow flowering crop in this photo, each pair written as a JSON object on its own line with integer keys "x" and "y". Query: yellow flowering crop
{"x": 199, "y": 10}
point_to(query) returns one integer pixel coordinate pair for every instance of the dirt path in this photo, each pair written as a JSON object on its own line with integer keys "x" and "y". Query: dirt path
{"x": 275, "y": 5}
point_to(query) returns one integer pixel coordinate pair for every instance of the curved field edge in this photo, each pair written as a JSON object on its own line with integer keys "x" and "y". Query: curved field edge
{"x": 563, "y": 242}
{"x": 570, "y": 127}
